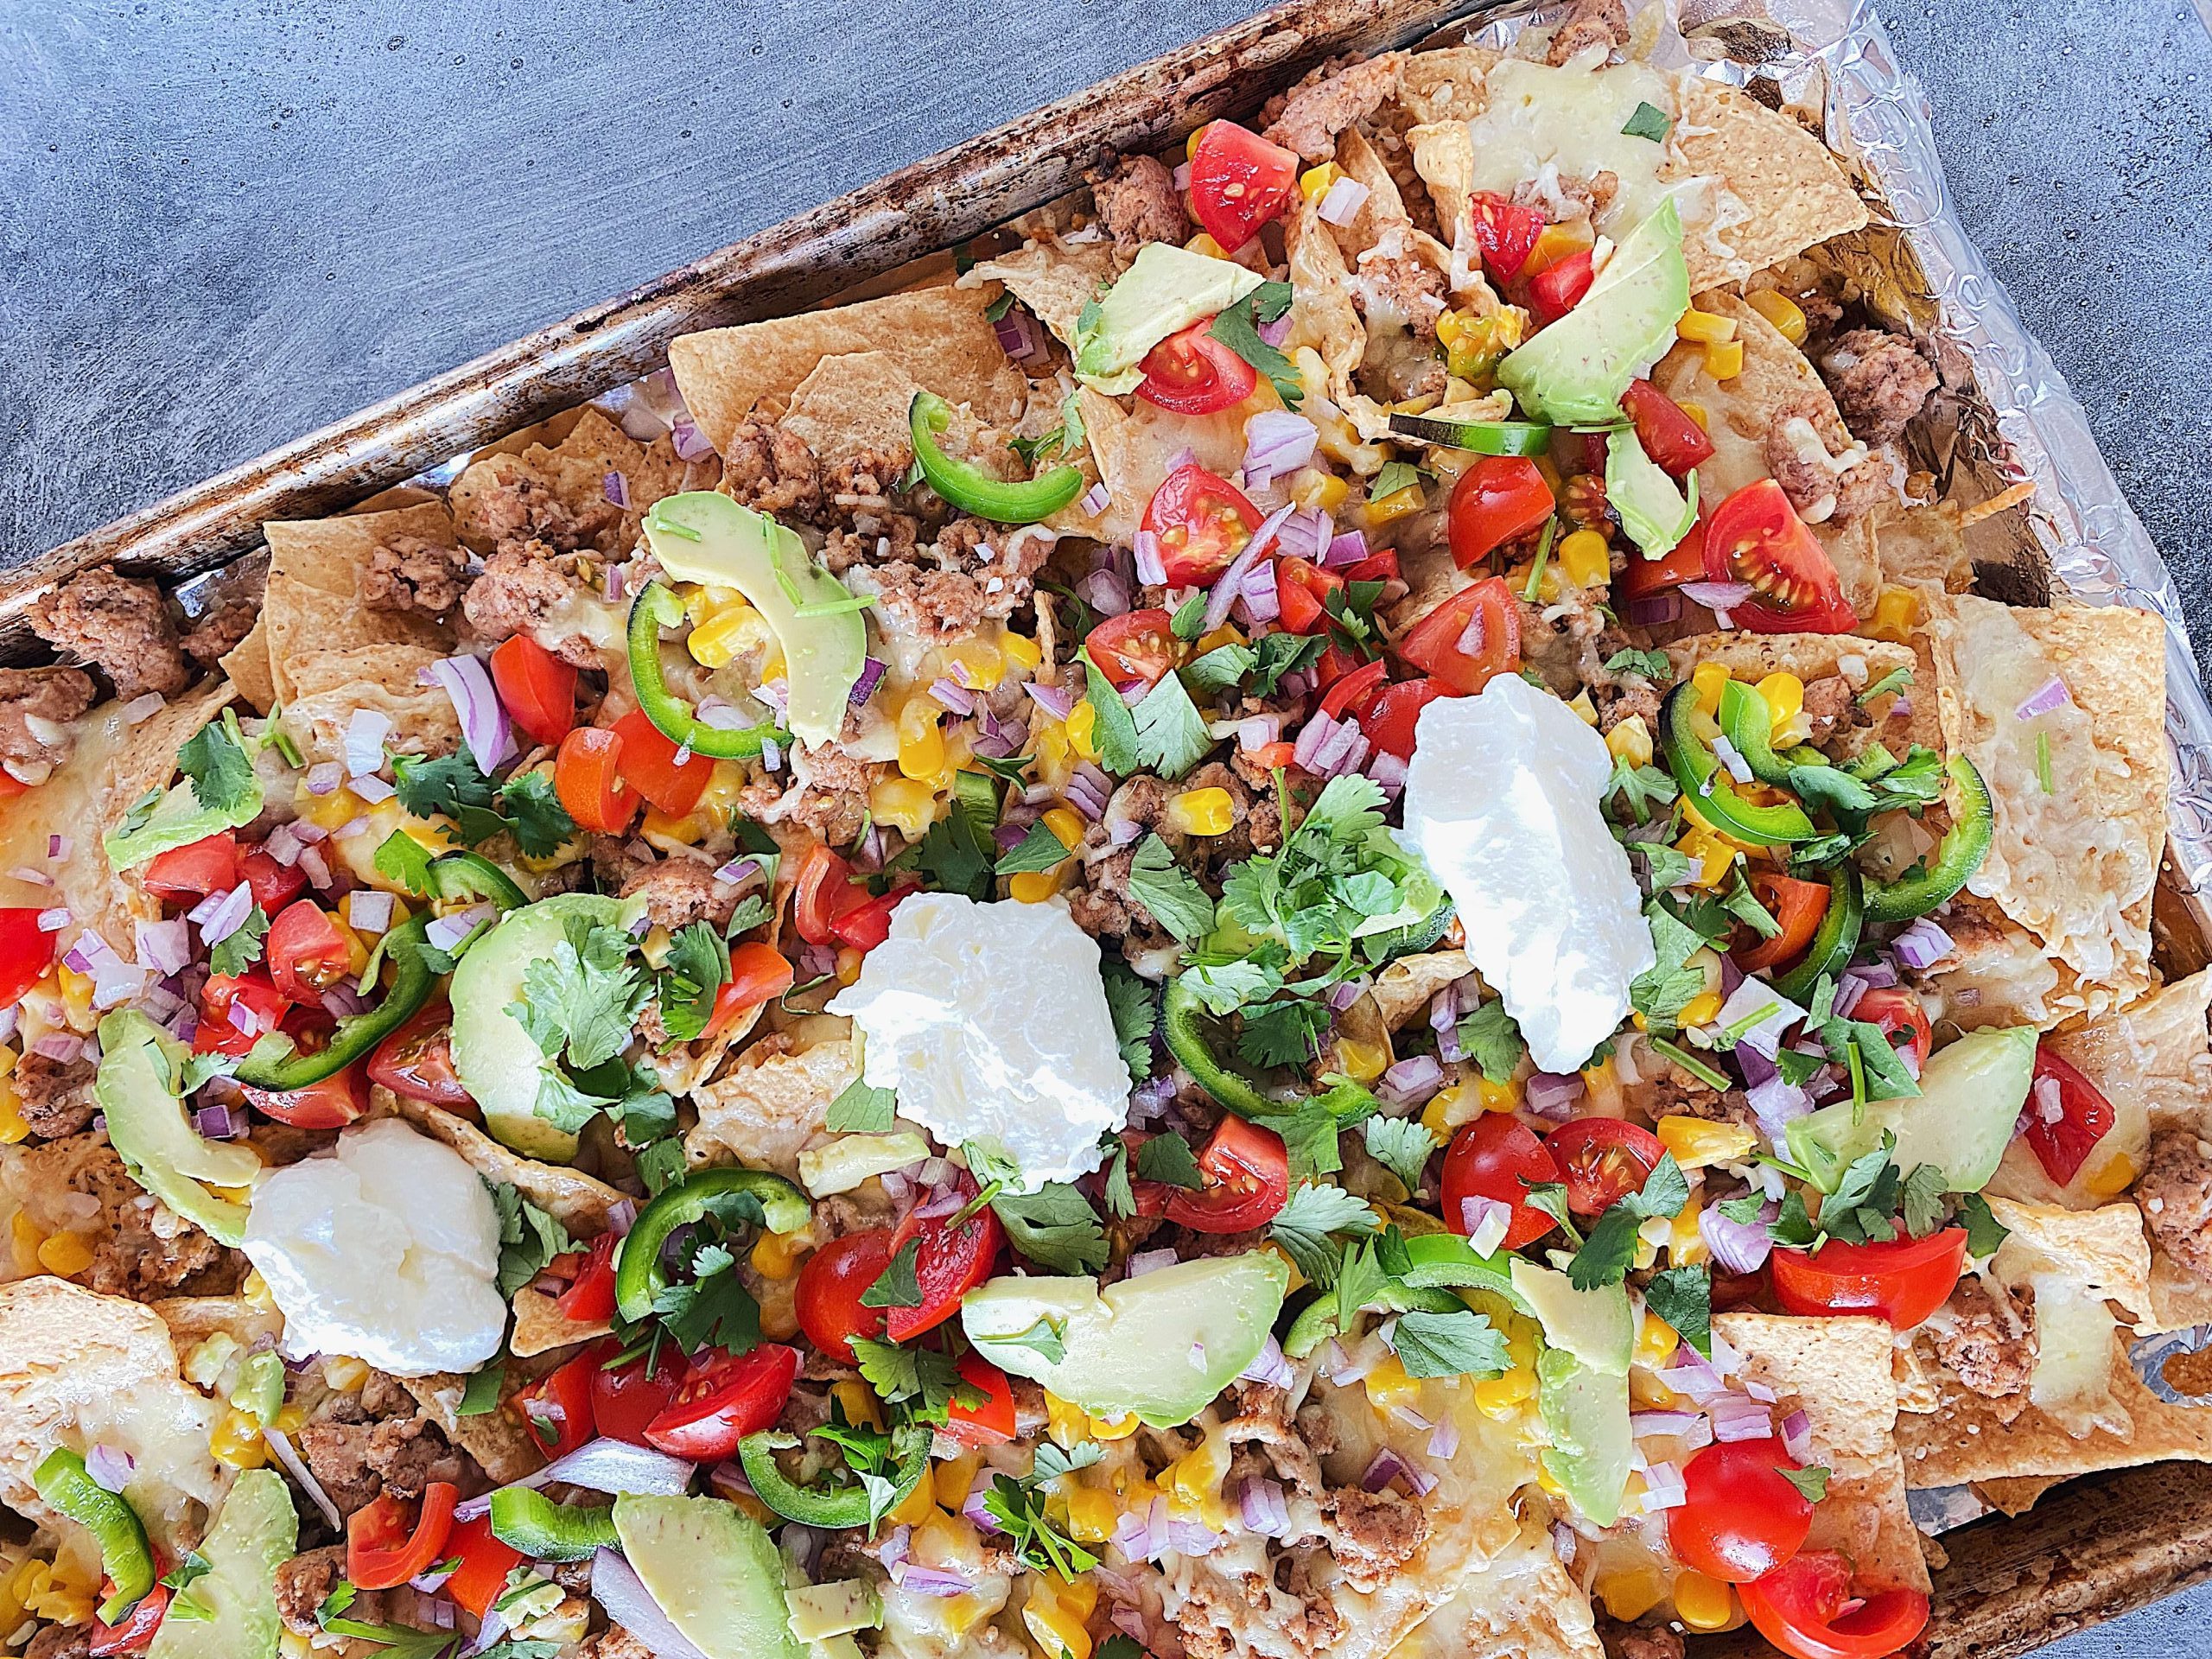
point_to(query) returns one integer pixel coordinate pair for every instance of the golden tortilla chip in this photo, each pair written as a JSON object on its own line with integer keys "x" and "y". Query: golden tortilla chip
{"x": 1776, "y": 379}
{"x": 1793, "y": 192}
{"x": 312, "y": 601}
{"x": 2016, "y": 1494}
{"x": 195, "y": 1319}
{"x": 113, "y": 767}
{"x": 2002, "y": 976}
{"x": 576, "y": 1200}
{"x": 771, "y": 1105}
{"x": 1923, "y": 546}
{"x": 1840, "y": 1371}
{"x": 498, "y": 1440}
{"x": 329, "y": 687}
{"x": 247, "y": 664}
{"x": 1521, "y": 1603}
{"x": 852, "y": 403}
{"x": 2102, "y": 1249}
{"x": 541, "y": 1328}
{"x": 1403, "y": 988}
{"x": 937, "y": 334}
{"x": 1054, "y": 280}
{"x": 1859, "y": 661}
{"x": 2074, "y": 864}
{"x": 580, "y": 473}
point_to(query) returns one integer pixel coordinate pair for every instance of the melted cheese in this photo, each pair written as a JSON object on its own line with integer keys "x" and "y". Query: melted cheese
{"x": 1542, "y": 124}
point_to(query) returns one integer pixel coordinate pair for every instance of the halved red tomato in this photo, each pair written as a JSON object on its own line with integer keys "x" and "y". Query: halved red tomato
{"x": 556, "y": 1408}
{"x": 1496, "y": 500}
{"x": 1809, "y": 1608}
{"x": 1756, "y": 536}
{"x": 330, "y": 1103}
{"x": 1201, "y": 522}
{"x": 26, "y": 952}
{"x": 1355, "y": 690}
{"x": 136, "y": 1633}
{"x": 950, "y": 1263}
{"x": 867, "y": 926}
{"x": 590, "y": 1298}
{"x": 991, "y": 1423}
{"x": 758, "y": 971}
{"x": 1469, "y": 639}
{"x": 1193, "y": 373}
{"x": 624, "y": 1398}
{"x": 1903, "y": 1280}
{"x": 2085, "y": 1116}
{"x": 723, "y": 1399}
{"x": 1797, "y": 906}
{"x": 1643, "y": 578}
{"x": 657, "y": 769}
{"x": 1136, "y": 646}
{"x": 306, "y": 953}
{"x": 1742, "y": 1517}
{"x": 538, "y": 689}
{"x": 273, "y": 884}
{"x": 192, "y": 872}
{"x": 392, "y": 1540}
{"x": 1506, "y": 233}
{"x": 831, "y": 1285}
{"x": 1498, "y": 1157}
{"x": 1302, "y": 590}
{"x": 1376, "y": 566}
{"x": 586, "y": 779}
{"x": 1559, "y": 287}
{"x": 825, "y": 892}
{"x": 1390, "y": 718}
{"x": 1602, "y": 1161}
{"x": 1246, "y": 1175}
{"x": 1668, "y": 436}
{"x": 416, "y": 1060}
{"x": 218, "y": 1033}
{"x": 1238, "y": 183}
{"x": 1898, "y": 1008}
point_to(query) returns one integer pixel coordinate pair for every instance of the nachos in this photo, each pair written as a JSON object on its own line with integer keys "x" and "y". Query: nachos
{"x": 1295, "y": 918}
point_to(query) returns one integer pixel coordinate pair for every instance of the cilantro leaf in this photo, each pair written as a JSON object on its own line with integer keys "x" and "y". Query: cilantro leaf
{"x": 1041, "y": 849}
{"x": 1812, "y": 1484}
{"x": 1135, "y": 1015}
{"x": 1236, "y": 328}
{"x": 1309, "y": 1129}
{"x": 445, "y": 785}
{"x": 896, "y": 1285}
{"x": 1640, "y": 787}
{"x": 715, "y": 1308}
{"x": 241, "y": 948}
{"x": 1362, "y": 1281}
{"x": 1113, "y": 729}
{"x": 1491, "y": 1038}
{"x": 1921, "y": 1198}
{"x": 696, "y": 969}
{"x": 1985, "y": 1233}
{"x": 541, "y": 824}
{"x": 1652, "y": 664}
{"x": 1450, "y": 1345}
{"x": 1043, "y": 1338}
{"x": 1019, "y": 1507}
{"x": 529, "y": 1238}
{"x": 1660, "y": 991}
{"x": 1682, "y": 1296}
{"x": 1170, "y": 733}
{"x": 1121, "y": 1197}
{"x": 1403, "y": 1146}
{"x": 1282, "y": 1034}
{"x": 1223, "y": 668}
{"x": 1277, "y": 654}
{"x": 862, "y": 1110}
{"x": 584, "y": 997}
{"x": 222, "y": 775}
{"x": 1168, "y": 1158}
{"x": 1171, "y": 893}
{"x": 1305, "y": 1225}
{"x": 401, "y": 858}
{"x": 1055, "y": 1227}
{"x": 1606, "y": 1254}
{"x": 1649, "y": 121}
{"x": 1189, "y": 619}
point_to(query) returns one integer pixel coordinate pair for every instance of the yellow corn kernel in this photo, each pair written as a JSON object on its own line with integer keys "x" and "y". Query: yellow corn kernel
{"x": 1708, "y": 677}
{"x": 1020, "y": 650}
{"x": 65, "y": 1254}
{"x": 1118, "y": 1429}
{"x": 1204, "y": 244}
{"x": 290, "y": 1417}
{"x": 1314, "y": 183}
{"x": 1033, "y": 886}
{"x": 1714, "y": 856}
{"x": 1696, "y": 1142}
{"x": 690, "y": 829}
{"x": 1726, "y": 360}
{"x": 1388, "y": 1385}
{"x": 1066, "y": 823}
{"x": 1312, "y": 488}
{"x": 1394, "y": 506}
{"x": 917, "y": 1507}
{"x": 977, "y": 663}
{"x": 1686, "y": 1245}
{"x": 12, "y": 1127}
{"x": 1497, "y": 1096}
{"x": 344, "y": 1373}
{"x": 25, "y": 1239}
{"x": 1700, "y": 1009}
{"x": 1227, "y": 634}
{"x": 1196, "y": 1477}
{"x": 1784, "y": 697}
{"x": 908, "y": 806}
{"x": 1448, "y": 1109}
{"x": 921, "y": 744}
{"x": 1079, "y": 1595}
{"x": 1703, "y": 1604}
{"x": 255, "y": 1290}
{"x": 76, "y": 997}
{"x": 1585, "y": 710}
{"x": 1201, "y": 812}
{"x": 1585, "y": 557}
{"x": 1054, "y": 1630}
{"x": 1064, "y": 1422}
{"x": 1704, "y": 327}
{"x": 727, "y": 634}
{"x": 1082, "y": 724}
{"x": 291, "y": 1644}
{"x": 1631, "y": 1592}
{"x": 1502, "y": 1396}
{"x": 1656, "y": 1342}
{"x": 1897, "y": 612}
{"x": 1784, "y": 313}
{"x": 236, "y": 1440}
{"x": 1630, "y": 740}
{"x": 1364, "y": 1061}
{"x": 1556, "y": 243}
{"x": 1450, "y": 326}
{"x": 776, "y": 1256}
{"x": 1092, "y": 1515}
{"x": 1696, "y": 412}
{"x": 955, "y": 1478}
{"x": 2117, "y": 1174}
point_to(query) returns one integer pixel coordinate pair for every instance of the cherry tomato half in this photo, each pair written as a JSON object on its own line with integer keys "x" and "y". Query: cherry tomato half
{"x": 831, "y": 1285}
{"x": 556, "y": 1408}
{"x": 1805, "y": 1607}
{"x": 825, "y": 892}
{"x": 1797, "y": 906}
{"x": 1643, "y": 578}
{"x": 330, "y": 1102}
{"x": 1903, "y": 1280}
{"x": 724, "y": 1398}
{"x": 1238, "y": 183}
{"x": 1742, "y": 1517}
{"x": 869, "y": 923}
{"x": 1356, "y": 691}
{"x": 228, "y": 1000}
{"x": 1670, "y": 436}
{"x": 191, "y": 873}
{"x": 538, "y": 689}
{"x": 1390, "y": 718}
{"x": 624, "y": 1398}
{"x": 392, "y": 1540}
{"x": 306, "y": 953}
{"x": 2085, "y": 1116}
{"x": 951, "y": 1261}
{"x": 1246, "y": 1175}
{"x": 1505, "y": 231}
{"x": 1602, "y": 1161}
{"x": 1193, "y": 373}
{"x": 1469, "y": 639}
{"x": 1497, "y": 1156}
{"x": 991, "y": 1423}
{"x": 25, "y": 953}
{"x": 1302, "y": 590}
{"x": 586, "y": 778}
{"x": 1559, "y": 287}
{"x": 1756, "y": 536}
{"x": 136, "y": 1633}
{"x": 1201, "y": 523}
{"x": 1496, "y": 500}
{"x": 757, "y": 973}
{"x": 649, "y": 764}
{"x": 1136, "y": 646}
{"x": 416, "y": 1060}
{"x": 273, "y": 884}
{"x": 1898, "y": 1008}
{"x": 590, "y": 1298}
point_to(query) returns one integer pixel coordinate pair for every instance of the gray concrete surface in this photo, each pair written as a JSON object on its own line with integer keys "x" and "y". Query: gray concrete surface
{"x": 222, "y": 225}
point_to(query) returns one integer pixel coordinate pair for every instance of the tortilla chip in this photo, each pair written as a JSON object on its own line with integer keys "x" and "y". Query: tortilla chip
{"x": 330, "y": 686}
{"x": 1793, "y": 192}
{"x": 1133, "y": 448}
{"x": 852, "y": 403}
{"x": 498, "y": 1440}
{"x": 579, "y": 471}
{"x": 2073, "y": 866}
{"x": 247, "y": 664}
{"x": 1838, "y": 1370}
{"x": 2102, "y": 1250}
{"x": 1924, "y": 547}
{"x": 771, "y": 1105}
{"x": 195, "y": 1319}
{"x": 541, "y": 1328}
{"x": 1055, "y": 281}
{"x": 1521, "y": 1603}
{"x": 1739, "y": 412}
{"x": 313, "y": 602}
{"x": 1403, "y": 988}
{"x": 2015, "y": 1495}
{"x": 939, "y": 335}
{"x": 576, "y": 1200}
{"x": 1861, "y": 662}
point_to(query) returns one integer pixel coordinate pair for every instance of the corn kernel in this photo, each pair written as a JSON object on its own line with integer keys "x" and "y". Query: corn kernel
{"x": 1227, "y": 634}
{"x": 1497, "y": 1096}
{"x": 1631, "y": 1592}
{"x": 1117, "y": 1428}
{"x": 1364, "y": 1061}
{"x": 65, "y": 1254}
{"x": 1092, "y": 1515}
{"x": 344, "y": 1373}
{"x": 2115, "y": 1176}
{"x": 954, "y": 1480}
{"x": 25, "y": 1237}
{"x": 1585, "y": 557}
{"x": 1708, "y": 677}
{"x": 1647, "y": 1393}
{"x": 76, "y": 997}
{"x": 1201, "y": 812}
{"x": 727, "y": 634}
{"x": 1054, "y": 1630}
{"x": 1388, "y": 1385}
{"x": 1704, "y": 327}
{"x": 1897, "y": 612}
{"x": 1630, "y": 740}
{"x": 921, "y": 744}
{"x": 12, "y": 1127}
{"x": 977, "y": 663}
{"x": 1066, "y": 823}
{"x": 1656, "y": 1342}
{"x": 1398, "y": 505}
{"x": 1502, "y": 1396}
{"x": 1585, "y": 710}
{"x": 916, "y": 1507}
{"x": 1065, "y": 1421}
{"x": 1703, "y": 1604}
{"x": 1316, "y": 490}
{"x": 1020, "y": 650}
{"x": 1696, "y": 412}
{"x": 255, "y": 1290}
{"x": 1726, "y": 360}
{"x": 236, "y": 1440}
{"x": 1082, "y": 723}
{"x": 1557, "y": 242}
{"x": 1700, "y": 1009}
{"x": 1696, "y": 1143}
{"x": 1314, "y": 183}
{"x": 1784, "y": 697}
{"x": 775, "y": 1256}
{"x": 1033, "y": 886}
{"x": 908, "y": 806}
{"x": 328, "y": 811}
{"x": 1206, "y": 245}
{"x": 1450, "y": 326}
{"x": 1714, "y": 856}
{"x": 1784, "y": 313}
{"x": 1448, "y": 1109}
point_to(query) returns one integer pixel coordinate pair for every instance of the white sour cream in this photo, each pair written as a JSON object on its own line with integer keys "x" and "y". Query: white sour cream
{"x": 990, "y": 1023}
{"x": 1502, "y": 802}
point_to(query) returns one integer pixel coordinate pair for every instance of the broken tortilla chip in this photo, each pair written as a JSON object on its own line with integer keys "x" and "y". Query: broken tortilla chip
{"x": 1134, "y": 449}
{"x": 771, "y": 1105}
{"x": 1054, "y": 280}
{"x": 939, "y": 335}
{"x": 248, "y": 665}
{"x": 853, "y": 403}
{"x": 1403, "y": 988}
{"x": 312, "y": 601}
{"x": 541, "y": 1328}
{"x": 329, "y": 687}
{"x": 603, "y": 479}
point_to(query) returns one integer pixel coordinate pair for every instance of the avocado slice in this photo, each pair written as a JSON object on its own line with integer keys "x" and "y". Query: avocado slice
{"x": 1165, "y": 289}
{"x": 146, "y": 1123}
{"x": 1652, "y": 509}
{"x": 1596, "y": 1326}
{"x": 1574, "y": 372}
{"x": 714, "y": 1571}
{"x": 1161, "y": 1345}
{"x": 494, "y": 1055}
{"x": 822, "y": 1611}
{"x": 256, "y": 1533}
{"x": 703, "y": 537}
{"x": 1586, "y": 1414}
{"x": 843, "y": 1164}
{"x": 1961, "y": 1121}
{"x": 178, "y": 819}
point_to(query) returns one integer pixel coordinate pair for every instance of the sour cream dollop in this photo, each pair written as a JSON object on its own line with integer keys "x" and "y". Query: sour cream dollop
{"x": 387, "y": 1251}
{"x": 990, "y": 1023}
{"x": 1502, "y": 803}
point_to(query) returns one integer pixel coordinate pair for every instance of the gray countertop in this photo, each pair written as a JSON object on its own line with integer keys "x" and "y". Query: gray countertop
{"x": 223, "y": 225}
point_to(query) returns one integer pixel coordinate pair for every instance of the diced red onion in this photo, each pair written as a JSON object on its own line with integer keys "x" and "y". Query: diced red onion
{"x": 369, "y": 909}
{"x": 324, "y": 777}
{"x": 1655, "y": 609}
{"x": 1738, "y": 1417}
{"x": 1752, "y": 996}
{"x": 446, "y": 931}
{"x": 2050, "y": 696}
{"x": 1923, "y": 945}
{"x": 110, "y": 1466}
{"x": 59, "y": 1045}
{"x": 1269, "y": 1366}
{"x": 1307, "y": 533}
{"x": 1487, "y": 1222}
{"x": 1265, "y": 1510}
{"x": 1256, "y": 593}
{"x": 1644, "y": 1424}
{"x": 617, "y": 1587}
{"x": 365, "y": 732}
{"x": 142, "y": 708}
{"x": 1258, "y": 731}
{"x": 1663, "y": 1488}
{"x": 1277, "y": 442}
{"x": 1276, "y": 331}
{"x": 616, "y": 489}
{"x": 341, "y": 1001}
{"x": 1689, "y": 1372}
{"x": 1341, "y": 202}
{"x": 1343, "y": 994}
{"x": 1387, "y": 1467}
{"x": 483, "y": 717}
{"x": 618, "y": 577}
{"x": 1106, "y": 591}
{"x": 1414, "y": 1078}
{"x": 953, "y": 696}
{"x": 53, "y": 919}
{"x": 295, "y": 1466}
{"x": 1229, "y": 586}
{"x": 1738, "y": 1246}
{"x": 1563, "y": 1542}
{"x": 932, "y": 1581}
{"x": 374, "y": 790}
{"x": 29, "y": 877}
{"x": 1055, "y": 700}
{"x": 282, "y": 845}
{"x": 431, "y": 1582}
{"x": 57, "y": 846}
{"x": 601, "y": 1466}
{"x": 1797, "y": 1436}
{"x": 226, "y": 914}
{"x": 218, "y": 1123}
{"x": 1551, "y": 1094}
{"x": 1443, "y": 1439}
{"x": 1151, "y": 569}
{"x": 316, "y": 867}
{"x": 1717, "y": 595}
{"x": 1777, "y": 1104}
{"x": 691, "y": 443}
{"x": 164, "y": 946}
{"x": 1096, "y": 499}
{"x": 1387, "y": 771}
{"x": 2050, "y": 1105}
